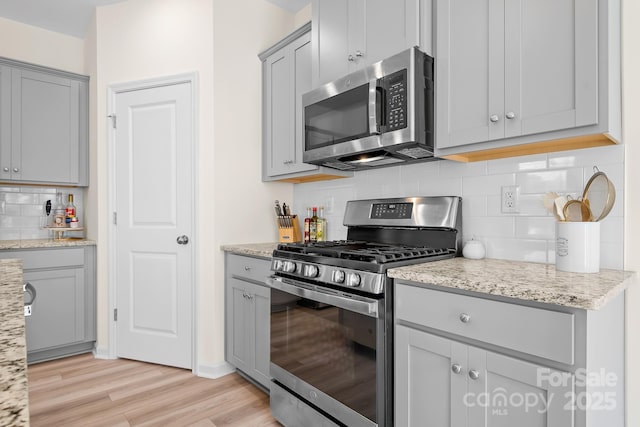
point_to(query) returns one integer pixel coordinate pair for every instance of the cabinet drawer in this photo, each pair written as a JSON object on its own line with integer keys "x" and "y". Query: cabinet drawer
{"x": 248, "y": 267}
{"x": 539, "y": 332}
{"x": 47, "y": 258}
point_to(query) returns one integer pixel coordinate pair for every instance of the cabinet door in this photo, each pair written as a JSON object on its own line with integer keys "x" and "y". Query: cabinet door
{"x": 58, "y": 311}
{"x": 510, "y": 392}
{"x": 389, "y": 28}
{"x": 551, "y": 75}
{"x": 330, "y": 35}
{"x": 287, "y": 77}
{"x": 239, "y": 322}
{"x": 45, "y": 128}
{"x": 427, "y": 390}
{"x": 260, "y": 302}
{"x": 469, "y": 71}
{"x": 5, "y": 122}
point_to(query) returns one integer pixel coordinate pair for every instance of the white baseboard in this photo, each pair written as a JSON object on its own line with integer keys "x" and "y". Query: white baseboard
{"x": 214, "y": 371}
{"x": 101, "y": 353}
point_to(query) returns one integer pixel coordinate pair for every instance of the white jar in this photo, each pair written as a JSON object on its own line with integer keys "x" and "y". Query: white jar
{"x": 473, "y": 249}
{"x": 578, "y": 247}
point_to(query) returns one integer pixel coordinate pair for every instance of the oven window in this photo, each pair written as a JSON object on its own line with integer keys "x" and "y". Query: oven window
{"x": 330, "y": 348}
{"x": 340, "y": 118}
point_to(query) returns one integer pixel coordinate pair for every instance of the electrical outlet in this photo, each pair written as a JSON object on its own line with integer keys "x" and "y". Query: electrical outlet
{"x": 510, "y": 198}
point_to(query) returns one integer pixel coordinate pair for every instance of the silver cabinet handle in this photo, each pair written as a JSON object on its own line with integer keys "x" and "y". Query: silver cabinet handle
{"x": 473, "y": 374}
{"x": 359, "y": 54}
{"x": 456, "y": 368}
{"x": 182, "y": 240}
{"x": 247, "y": 268}
{"x": 494, "y": 118}
{"x": 465, "y": 318}
{"x": 5, "y": 169}
{"x": 16, "y": 170}
{"x": 31, "y": 290}
{"x": 511, "y": 115}
{"x": 351, "y": 58}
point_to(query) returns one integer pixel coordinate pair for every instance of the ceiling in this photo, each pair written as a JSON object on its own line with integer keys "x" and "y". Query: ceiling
{"x": 72, "y": 17}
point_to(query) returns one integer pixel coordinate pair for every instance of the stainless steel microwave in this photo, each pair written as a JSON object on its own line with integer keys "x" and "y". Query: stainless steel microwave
{"x": 377, "y": 116}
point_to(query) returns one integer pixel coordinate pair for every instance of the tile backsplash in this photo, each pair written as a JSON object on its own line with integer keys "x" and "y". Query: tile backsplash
{"x": 528, "y": 235}
{"x": 22, "y": 213}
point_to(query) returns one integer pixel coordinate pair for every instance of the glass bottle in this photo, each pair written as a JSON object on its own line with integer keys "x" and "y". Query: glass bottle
{"x": 307, "y": 226}
{"x": 58, "y": 212}
{"x": 313, "y": 224}
{"x": 70, "y": 210}
{"x": 322, "y": 226}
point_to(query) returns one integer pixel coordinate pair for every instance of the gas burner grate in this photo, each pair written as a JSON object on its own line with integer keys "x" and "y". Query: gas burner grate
{"x": 393, "y": 253}
{"x": 363, "y": 251}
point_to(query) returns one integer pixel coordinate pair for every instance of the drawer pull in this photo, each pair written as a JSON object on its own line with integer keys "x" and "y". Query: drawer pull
{"x": 473, "y": 374}
{"x": 247, "y": 268}
{"x": 465, "y": 318}
{"x": 456, "y": 369}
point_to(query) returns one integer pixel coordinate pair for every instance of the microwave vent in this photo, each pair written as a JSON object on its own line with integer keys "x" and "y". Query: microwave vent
{"x": 415, "y": 152}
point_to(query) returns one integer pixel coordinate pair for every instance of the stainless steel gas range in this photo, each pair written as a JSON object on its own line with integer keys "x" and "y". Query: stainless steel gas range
{"x": 332, "y": 310}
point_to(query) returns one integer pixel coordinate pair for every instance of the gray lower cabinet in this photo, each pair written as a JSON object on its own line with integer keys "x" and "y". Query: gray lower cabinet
{"x": 247, "y": 316}
{"x": 443, "y": 382}
{"x": 465, "y": 360}
{"x": 63, "y": 312}
{"x": 286, "y": 76}
{"x": 503, "y": 82}
{"x": 44, "y": 126}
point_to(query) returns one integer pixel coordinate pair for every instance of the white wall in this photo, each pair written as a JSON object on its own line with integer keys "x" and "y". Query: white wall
{"x": 220, "y": 40}
{"x": 631, "y": 137}
{"x": 239, "y": 206}
{"x": 43, "y": 47}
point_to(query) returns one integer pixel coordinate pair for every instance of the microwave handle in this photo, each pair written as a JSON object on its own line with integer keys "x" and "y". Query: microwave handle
{"x": 374, "y": 129}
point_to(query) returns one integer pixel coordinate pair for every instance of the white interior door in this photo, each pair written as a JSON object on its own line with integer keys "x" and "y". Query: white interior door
{"x": 154, "y": 202}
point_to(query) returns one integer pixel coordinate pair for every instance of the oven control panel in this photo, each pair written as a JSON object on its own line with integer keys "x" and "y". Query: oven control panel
{"x": 391, "y": 210}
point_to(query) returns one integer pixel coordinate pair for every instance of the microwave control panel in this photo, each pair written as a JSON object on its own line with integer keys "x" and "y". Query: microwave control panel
{"x": 396, "y": 85}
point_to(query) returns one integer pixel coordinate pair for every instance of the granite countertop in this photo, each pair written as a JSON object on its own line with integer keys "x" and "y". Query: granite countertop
{"x": 263, "y": 250}
{"x": 522, "y": 280}
{"x": 44, "y": 243}
{"x": 14, "y": 396}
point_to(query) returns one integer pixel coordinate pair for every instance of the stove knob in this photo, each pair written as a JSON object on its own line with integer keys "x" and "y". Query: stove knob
{"x": 289, "y": 267}
{"x": 277, "y": 265}
{"x": 337, "y": 276}
{"x": 311, "y": 271}
{"x": 353, "y": 280}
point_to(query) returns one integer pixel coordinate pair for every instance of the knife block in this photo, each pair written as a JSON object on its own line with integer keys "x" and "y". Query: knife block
{"x": 289, "y": 229}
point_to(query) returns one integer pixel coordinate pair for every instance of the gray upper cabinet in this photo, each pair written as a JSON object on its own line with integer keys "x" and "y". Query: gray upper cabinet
{"x": 45, "y": 139}
{"x": 286, "y": 77}
{"x": 351, "y": 34}
{"x": 523, "y": 71}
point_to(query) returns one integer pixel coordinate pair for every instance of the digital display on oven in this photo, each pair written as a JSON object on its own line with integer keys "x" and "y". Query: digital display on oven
{"x": 391, "y": 210}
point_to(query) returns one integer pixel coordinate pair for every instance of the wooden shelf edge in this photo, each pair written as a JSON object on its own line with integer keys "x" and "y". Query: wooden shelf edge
{"x": 586, "y": 141}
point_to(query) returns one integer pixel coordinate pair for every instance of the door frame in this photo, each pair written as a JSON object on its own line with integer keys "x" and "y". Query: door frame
{"x": 113, "y": 91}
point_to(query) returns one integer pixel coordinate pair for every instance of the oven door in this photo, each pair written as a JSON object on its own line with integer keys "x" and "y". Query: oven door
{"x": 327, "y": 349}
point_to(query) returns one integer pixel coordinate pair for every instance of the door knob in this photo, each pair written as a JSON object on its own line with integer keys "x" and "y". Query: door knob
{"x": 473, "y": 374}
{"x": 182, "y": 240}
{"x": 494, "y": 118}
{"x": 16, "y": 170}
{"x": 511, "y": 115}
{"x": 5, "y": 169}
{"x": 456, "y": 368}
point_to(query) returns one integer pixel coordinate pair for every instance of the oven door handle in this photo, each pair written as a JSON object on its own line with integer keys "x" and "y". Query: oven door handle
{"x": 361, "y": 305}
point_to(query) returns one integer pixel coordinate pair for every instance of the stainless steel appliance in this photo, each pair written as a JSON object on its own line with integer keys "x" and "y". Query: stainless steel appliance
{"x": 378, "y": 116}
{"x": 332, "y": 310}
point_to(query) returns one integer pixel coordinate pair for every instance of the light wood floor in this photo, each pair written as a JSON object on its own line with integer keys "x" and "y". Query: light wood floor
{"x": 88, "y": 392}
